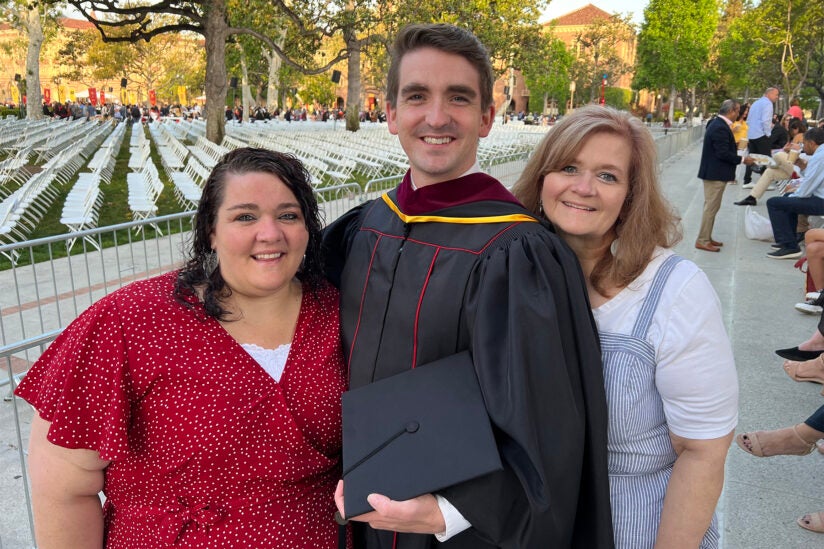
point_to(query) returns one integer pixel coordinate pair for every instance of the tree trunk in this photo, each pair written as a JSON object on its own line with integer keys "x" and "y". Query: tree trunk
{"x": 215, "y": 33}
{"x": 275, "y": 63}
{"x": 246, "y": 92}
{"x": 34, "y": 28}
{"x": 353, "y": 90}
{"x": 671, "y": 113}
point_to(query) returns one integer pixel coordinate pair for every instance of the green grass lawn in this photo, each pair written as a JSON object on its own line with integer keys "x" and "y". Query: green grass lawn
{"x": 115, "y": 209}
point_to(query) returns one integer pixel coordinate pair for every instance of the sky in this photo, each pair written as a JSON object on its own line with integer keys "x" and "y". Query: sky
{"x": 560, "y": 7}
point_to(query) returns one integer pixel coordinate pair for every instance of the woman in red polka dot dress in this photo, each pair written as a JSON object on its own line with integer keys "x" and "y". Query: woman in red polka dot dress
{"x": 203, "y": 403}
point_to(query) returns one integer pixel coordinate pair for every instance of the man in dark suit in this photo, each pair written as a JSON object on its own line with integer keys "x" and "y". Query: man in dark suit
{"x": 719, "y": 159}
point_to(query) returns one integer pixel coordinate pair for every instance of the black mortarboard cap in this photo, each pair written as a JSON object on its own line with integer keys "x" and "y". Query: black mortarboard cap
{"x": 415, "y": 433}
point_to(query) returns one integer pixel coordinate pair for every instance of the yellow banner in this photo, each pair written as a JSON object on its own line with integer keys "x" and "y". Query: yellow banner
{"x": 181, "y": 95}
{"x": 124, "y": 96}
{"x": 133, "y": 97}
{"x": 15, "y": 94}
{"x": 72, "y": 97}
{"x": 62, "y": 93}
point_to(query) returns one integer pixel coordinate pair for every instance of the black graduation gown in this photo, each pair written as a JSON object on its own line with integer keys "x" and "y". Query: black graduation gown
{"x": 484, "y": 276}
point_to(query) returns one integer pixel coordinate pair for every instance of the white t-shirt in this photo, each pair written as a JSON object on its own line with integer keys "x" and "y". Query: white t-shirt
{"x": 695, "y": 372}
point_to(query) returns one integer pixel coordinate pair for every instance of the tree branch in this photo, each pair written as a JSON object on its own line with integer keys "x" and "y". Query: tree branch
{"x": 342, "y": 54}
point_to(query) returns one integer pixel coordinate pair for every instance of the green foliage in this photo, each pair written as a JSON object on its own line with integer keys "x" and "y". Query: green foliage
{"x": 674, "y": 43}
{"x": 72, "y": 57}
{"x": 546, "y": 72}
{"x": 598, "y": 53}
{"x": 619, "y": 98}
{"x": 318, "y": 88}
{"x": 508, "y": 28}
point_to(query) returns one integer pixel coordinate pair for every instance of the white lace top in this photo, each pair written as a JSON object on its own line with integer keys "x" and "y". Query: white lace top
{"x": 273, "y": 361}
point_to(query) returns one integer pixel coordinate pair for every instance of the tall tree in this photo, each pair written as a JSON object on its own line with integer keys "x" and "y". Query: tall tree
{"x": 597, "y": 52}
{"x": 118, "y": 22}
{"x": 674, "y": 45}
{"x": 547, "y": 74}
{"x": 30, "y": 16}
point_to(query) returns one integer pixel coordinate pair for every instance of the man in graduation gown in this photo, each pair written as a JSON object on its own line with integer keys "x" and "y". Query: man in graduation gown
{"x": 448, "y": 263}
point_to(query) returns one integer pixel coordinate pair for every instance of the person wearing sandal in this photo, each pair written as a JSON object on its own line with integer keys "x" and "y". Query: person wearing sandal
{"x": 809, "y": 370}
{"x": 811, "y": 349}
{"x": 672, "y": 390}
{"x": 798, "y": 440}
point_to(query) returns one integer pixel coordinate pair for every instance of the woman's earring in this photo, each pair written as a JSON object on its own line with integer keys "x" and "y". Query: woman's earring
{"x": 210, "y": 263}
{"x": 540, "y": 207}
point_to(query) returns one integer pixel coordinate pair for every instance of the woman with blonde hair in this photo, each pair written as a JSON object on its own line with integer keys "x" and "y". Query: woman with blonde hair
{"x": 670, "y": 378}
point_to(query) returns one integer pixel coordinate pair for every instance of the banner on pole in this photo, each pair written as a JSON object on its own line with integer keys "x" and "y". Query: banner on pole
{"x": 47, "y": 95}
{"x": 93, "y": 96}
{"x": 152, "y": 98}
{"x": 181, "y": 95}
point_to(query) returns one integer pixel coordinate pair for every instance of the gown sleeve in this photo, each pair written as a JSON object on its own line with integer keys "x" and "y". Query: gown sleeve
{"x": 336, "y": 239}
{"x": 536, "y": 352}
{"x": 80, "y": 384}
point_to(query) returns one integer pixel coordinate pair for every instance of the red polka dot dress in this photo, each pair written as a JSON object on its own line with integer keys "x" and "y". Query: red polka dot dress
{"x": 207, "y": 450}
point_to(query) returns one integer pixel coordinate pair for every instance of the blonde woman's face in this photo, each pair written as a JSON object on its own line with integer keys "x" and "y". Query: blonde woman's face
{"x": 584, "y": 198}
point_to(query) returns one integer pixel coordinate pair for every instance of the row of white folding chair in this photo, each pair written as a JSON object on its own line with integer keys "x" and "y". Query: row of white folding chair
{"x": 139, "y": 156}
{"x": 188, "y": 185}
{"x": 103, "y": 163}
{"x": 233, "y": 142}
{"x": 14, "y": 170}
{"x": 144, "y": 187}
{"x": 207, "y": 152}
{"x": 197, "y": 129}
{"x": 172, "y": 153}
{"x": 179, "y": 128}
{"x": 374, "y": 152}
{"x": 81, "y": 208}
{"x": 33, "y": 137}
{"x": 58, "y": 139}
{"x": 26, "y": 207}
{"x": 138, "y": 135}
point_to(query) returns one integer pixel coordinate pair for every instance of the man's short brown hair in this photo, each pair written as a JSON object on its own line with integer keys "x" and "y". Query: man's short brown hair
{"x": 445, "y": 38}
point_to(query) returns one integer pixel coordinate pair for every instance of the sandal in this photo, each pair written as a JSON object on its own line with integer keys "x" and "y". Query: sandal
{"x": 820, "y": 445}
{"x": 812, "y": 521}
{"x": 755, "y": 448}
{"x": 792, "y": 366}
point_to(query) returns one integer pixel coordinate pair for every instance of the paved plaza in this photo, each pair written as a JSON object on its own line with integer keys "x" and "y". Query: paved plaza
{"x": 762, "y": 497}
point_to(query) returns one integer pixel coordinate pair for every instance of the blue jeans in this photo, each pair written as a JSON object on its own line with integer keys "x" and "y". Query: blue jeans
{"x": 816, "y": 421}
{"x": 784, "y": 212}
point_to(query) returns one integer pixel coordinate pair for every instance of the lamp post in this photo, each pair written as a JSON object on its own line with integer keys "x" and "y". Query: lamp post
{"x": 571, "y": 95}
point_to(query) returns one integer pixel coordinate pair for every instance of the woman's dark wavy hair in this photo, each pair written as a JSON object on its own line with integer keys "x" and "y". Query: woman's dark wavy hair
{"x": 241, "y": 161}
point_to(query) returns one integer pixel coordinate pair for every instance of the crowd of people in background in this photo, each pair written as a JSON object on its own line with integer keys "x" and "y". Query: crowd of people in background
{"x": 117, "y": 111}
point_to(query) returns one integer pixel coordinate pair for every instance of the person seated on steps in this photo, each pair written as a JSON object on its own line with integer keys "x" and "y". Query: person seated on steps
{"x": 807, "y": 200}
{"x": 814, "y": 245}
{"x": 798, "y": 440}
{"x": 784, "y": 168}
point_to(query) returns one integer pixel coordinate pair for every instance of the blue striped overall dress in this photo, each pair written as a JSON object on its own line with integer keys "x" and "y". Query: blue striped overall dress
{"x": 640, "y": 452}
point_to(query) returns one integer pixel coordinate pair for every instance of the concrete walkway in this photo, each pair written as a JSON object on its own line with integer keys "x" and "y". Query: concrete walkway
{"x": 762, "y": 497}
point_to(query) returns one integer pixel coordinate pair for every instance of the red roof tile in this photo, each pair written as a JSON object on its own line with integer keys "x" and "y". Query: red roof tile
{"x": 582, "y": 16}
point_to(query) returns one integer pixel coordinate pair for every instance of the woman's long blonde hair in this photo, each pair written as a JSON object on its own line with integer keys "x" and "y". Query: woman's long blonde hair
{"x": 646, "y": 220}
